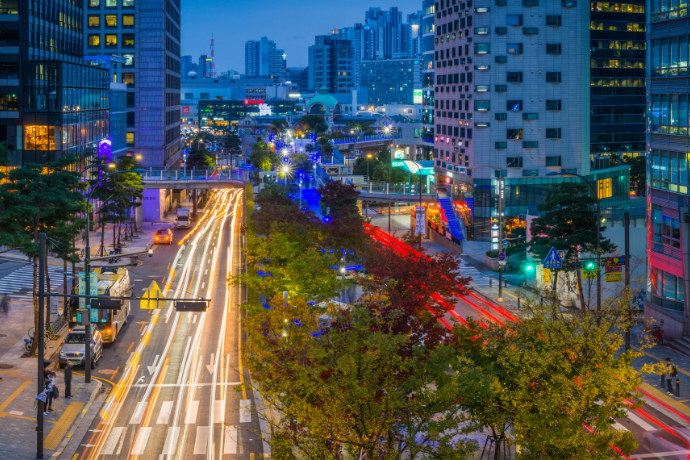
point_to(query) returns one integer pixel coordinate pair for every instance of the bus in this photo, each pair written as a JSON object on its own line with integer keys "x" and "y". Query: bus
{"x": 112, "y": 282}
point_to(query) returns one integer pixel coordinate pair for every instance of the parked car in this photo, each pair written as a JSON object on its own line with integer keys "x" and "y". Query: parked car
{"x": 73, "y": 350}
{"x": 163, "y": 236}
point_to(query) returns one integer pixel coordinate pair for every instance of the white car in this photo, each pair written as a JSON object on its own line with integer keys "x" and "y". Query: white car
{"x": 73, "y": 349}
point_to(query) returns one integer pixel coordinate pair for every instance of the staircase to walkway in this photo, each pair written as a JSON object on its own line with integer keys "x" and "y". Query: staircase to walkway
{"x": 681, "y": 344}
{"x": 453, "y": 224}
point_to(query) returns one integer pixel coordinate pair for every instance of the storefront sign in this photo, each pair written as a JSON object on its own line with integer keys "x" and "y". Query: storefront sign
{"x": 614, "y": 273}
{"x": 397, "y": 164}
{"x": 417, "y": 97}
{"x": 399, "y": 154}
{"x": 420, "y": 214}
{"x": 185, "y": 110}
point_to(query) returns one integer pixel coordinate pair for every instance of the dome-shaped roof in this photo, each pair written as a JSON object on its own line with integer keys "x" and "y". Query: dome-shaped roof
{"x": 322, "y": 103}
{"x": 191, "y": 74}
{"x": 288, "y": 114}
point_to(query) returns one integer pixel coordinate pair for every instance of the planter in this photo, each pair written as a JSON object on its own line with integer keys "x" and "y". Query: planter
{"x": 491, "y": 263}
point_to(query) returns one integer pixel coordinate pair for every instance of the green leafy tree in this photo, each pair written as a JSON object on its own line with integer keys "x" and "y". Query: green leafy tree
{"x": 312, "y": 124}
{"x": 232, "y": 145}
{"x": 45, "y": 198}
{"x": 338, "y": 198}
{"x": 262, "y": 156}
{"x": 569, "y": 222}
{"x": 324, "y": 144}
{"x": 278, "y": 126}
{"x": 557, "y": 381}
{"x": 349, "y": 391}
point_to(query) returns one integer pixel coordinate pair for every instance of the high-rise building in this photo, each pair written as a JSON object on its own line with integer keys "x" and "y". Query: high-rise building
{"x": 262, "y": 59}
{"x": 512, "y": 107}
{"x": 185, "y": 65}
{"x": 298, "y": 76}
{"x": 330, "y": 64}
{"x": 202, "y": 71}
{"x": 411, "y": 35}
{"x": 391, "y": 81}
{"x": 617, "y": 60}
{"x": 668, "y": 139}
{"x": 147, "y": 34}
{"x": 40, "y": 66}
{"x": 427, "y": 49}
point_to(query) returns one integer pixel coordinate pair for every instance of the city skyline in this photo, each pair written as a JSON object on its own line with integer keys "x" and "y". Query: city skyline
{"x": 291, "y": 27}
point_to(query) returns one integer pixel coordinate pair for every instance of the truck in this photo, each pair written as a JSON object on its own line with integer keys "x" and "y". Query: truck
{"x": 182, "y": 217}
{"x": 112, "y": 282}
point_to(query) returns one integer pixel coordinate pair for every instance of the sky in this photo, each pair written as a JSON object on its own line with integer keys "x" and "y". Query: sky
{"x": 292, "y": 25}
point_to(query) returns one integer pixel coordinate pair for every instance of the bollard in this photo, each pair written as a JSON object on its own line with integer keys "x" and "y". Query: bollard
{"x": 677, "y": 388}
{"x": 490, "y": 282}
{"x": 505, "y": 282}
{"x": 663, "y": 384}
{"x": 518, "y": 303}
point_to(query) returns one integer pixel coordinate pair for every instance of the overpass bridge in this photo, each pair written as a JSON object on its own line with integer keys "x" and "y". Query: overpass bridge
{"x": 193, "y": 179}
{"x": 363, "y": 142}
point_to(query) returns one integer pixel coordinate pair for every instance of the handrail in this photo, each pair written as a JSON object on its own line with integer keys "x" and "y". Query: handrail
{"x": 368, "y": 137}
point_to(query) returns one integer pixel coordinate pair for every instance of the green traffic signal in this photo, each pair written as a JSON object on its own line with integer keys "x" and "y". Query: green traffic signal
{"x": 528, "y": 268}
{"x": 590, "y": 266}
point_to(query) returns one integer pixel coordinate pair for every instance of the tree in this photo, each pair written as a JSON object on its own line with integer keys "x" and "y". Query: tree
{"x": 277, "y": 126}
{"x": 338, "y": 198}
{"x": 42, "y": 198}
{"x": 559, "y": 381}
{"x": 569, "y": 222}
{"x": 312, "y": 124}
{"x": 345, "y": 390}
{"x": 263, "y": 157}
{"x": 324, "y": 144}
{"x": 638, "y": 170}
{"x": 232, "y": 145}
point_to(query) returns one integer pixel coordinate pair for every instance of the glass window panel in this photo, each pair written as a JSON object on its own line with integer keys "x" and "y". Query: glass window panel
{"x": 673, "y": 157}
{"x": 94, "y": 40}
{"x": 111, "y": 40}
{"x": 683, "y": 45}
{"x": 94, "y": 3}
{"x": 128, "y": 3}
{"x": 664, "y": 52}
{"x": 111, "y": 20}
{"x": 656, "y": 54}
{"x": 673, "y": 98}
{"x": 127, "y": 20}
{"x": 673, "y": 45}
{"x": 669, "y": 286}
{"x": 664, "y": 109}
{"x": 664, "y": 166}
{"x": 111, "y": 3}
{"x": 683, "y": 110}
{"x": 656, "y": 109}
{"x": 94, "y": 20}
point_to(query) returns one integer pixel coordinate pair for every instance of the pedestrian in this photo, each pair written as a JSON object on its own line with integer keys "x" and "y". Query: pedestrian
{"x": 49, "y": 384}
{"x": 5, "y": 304}
{"x": 68, "y": 380}
{"x": 671, "y": 371}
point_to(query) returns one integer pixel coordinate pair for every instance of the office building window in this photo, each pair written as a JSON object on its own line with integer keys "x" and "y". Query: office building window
{"x": 111, "y": 20}
{"x": 514, "y": 134}
{"x": 514, "y": 162}
{"x": 514, "y": 77}
{"x": 9, "y": 101}
{"x": 514, "y": 19}
{"x": 94, "y": 40}
{"x": 514, "y": 48}
{"x": 482, "y": 106}
{"x": 553, "y": 133}
{"x": 530, "y": 144}
{"x": 111, "y": 40}
{"x": 130, "y": 139}
{"x": 129, "y": 60}
{"x": 94, "y": 3}
{"x": 482, "y": 48}
{"x": 669, "y": 170}
{"x": 94, "y": 20}
{"x": 553, "y": 161}
{"x": 130, "y": 119}
{"x": 111, "y": 3}
{"x": 514, "y": 106}
{"x": 501, "y": 145}
{"x": 189, "y": 95}
{"x": 530, "y": 116}
{"x": 130, "y": 99}
{"x": 128, "y": 78}
{"x": 553, "y": 77}
{"x": 553, "y": 48}
{"x": 127, "y": 40}
{"x": 127, "y": 3}
{"x": 553, "y": 20}
{"x": 530, "y": 31}
{"x": 553, "y": 104}
{"x": 127, "y": 20}
{"x": 667, "y": 286}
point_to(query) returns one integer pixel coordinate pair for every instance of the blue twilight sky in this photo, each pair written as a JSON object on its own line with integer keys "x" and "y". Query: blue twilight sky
{"x": 291, "y": 24}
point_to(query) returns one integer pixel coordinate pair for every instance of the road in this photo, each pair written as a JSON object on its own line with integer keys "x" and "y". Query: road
{"x": 179, "y": 394}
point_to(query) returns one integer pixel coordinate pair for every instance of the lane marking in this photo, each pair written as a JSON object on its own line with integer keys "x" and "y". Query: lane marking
{"x": 142, "y": 439}
{"x": 205, "y": 273}
{"x": 219, "y": 411}
{"x": 164, "y": 414}
{"x": 192, "y": 412}
{"x": 138, "y": 413}
{"x": 245, "y": 411}
{"x": 171, "y": 440}
{"x": 641, "y": 423}
{"x": 202, "y": 284}
{"x": 194, "y": 320}
{"x": 201, "y": 440}
{"x": 230, "y": 440}
{"x": 112, "y": 441}
{"x": 179, "y": 385}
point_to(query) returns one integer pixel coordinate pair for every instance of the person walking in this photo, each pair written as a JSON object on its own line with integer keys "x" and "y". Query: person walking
{"x": 671, "y": 371}
{"x": 68, "y": 380}
{"x": 5, "y": 304}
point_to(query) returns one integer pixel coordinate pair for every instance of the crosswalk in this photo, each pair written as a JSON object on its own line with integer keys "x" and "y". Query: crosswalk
{"x": 467, "y": 270}
{"x": 19, "y": 283}
{"x": 139, "y": 436}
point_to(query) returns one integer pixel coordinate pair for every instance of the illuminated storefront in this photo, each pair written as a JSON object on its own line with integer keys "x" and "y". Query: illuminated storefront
{"x": 221, "y": 113}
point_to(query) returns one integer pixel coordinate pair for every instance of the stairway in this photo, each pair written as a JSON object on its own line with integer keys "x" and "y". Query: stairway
{"x": 449, "y": 218}
{"x": 681, "y": 344}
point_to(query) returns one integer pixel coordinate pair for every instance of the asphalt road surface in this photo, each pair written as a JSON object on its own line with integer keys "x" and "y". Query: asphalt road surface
{"x": 179, "y": 393}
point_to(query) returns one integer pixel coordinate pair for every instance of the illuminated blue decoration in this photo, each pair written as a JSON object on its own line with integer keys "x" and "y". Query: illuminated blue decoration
{"x": 104, "y": 149}
{"x": 327, "y": 219}
{"x": 315, "y": 158}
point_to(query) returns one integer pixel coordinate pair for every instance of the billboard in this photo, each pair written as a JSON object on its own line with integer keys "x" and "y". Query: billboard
{"x": 185, "y": 110}
{"x": 417, "y": 97}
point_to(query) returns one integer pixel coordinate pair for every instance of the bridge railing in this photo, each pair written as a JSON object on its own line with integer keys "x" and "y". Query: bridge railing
{"x": 195, "y": 174}
{"x": 366, "y": 138}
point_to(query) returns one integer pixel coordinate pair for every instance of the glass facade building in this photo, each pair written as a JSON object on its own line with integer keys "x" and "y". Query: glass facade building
{"x": 220, "y": 114}
{"x": 668, "y": 144}
{"x": 617, "y": 71}
{"x": 428, "y": 36}
{"x": 391, "y": 81}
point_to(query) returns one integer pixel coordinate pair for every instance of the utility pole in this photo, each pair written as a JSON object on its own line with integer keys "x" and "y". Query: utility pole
{"x": 38, "y": 335}
{"x": 627, "y": 278}
{"x": 500, "y": 234}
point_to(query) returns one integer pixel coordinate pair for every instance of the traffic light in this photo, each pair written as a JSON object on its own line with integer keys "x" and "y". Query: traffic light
{"x": 528, "y": 268}
{"x": 590, "y": 265}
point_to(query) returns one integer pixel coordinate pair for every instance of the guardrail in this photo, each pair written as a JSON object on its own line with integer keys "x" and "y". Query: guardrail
{"x": 193, "y": 174}
{"x": 367, "y": 138}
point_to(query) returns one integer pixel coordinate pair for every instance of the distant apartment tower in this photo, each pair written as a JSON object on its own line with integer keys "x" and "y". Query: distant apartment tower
{"x": 391, "y": 81}
{"x": 262, "y": 59}
{"x": 202, "y": 71}
{"x": 331, "y": 64}
{"x": 298, "y": 76}
{"x": 427, "y": 33}
{"x": 147, "y": 34}
{"x": 185, "y": 65}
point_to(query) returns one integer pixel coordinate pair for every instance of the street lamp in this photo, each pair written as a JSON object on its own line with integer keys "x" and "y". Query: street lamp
{"x": 596, "y": 195}
{"x": 87, "y": 275}
{"x": 369, "y": 155}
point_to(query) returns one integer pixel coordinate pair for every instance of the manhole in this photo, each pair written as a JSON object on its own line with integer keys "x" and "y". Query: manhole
{"x": 6, "y": 366}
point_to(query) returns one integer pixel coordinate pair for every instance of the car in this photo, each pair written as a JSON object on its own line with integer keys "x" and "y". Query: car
{"x": 73, "y": 350}
{"x": 164, "y": 235}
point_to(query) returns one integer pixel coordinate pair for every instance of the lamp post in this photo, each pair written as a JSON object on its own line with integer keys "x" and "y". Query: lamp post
{"x": 87, "y": 277}
{"x": 369, "y": 155}
{"x": 596, "y": 195}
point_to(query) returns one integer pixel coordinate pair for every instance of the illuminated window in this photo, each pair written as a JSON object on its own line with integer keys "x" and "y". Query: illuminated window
{"x": 94, "y": 40}
{"x": 111, "y": 20}
{"x": 39, "y": 138}
{"x": 605, "y": 188}
{"x": 127, "y": 3}
{"x": 94, "y": 20}
{"x": 128, "y": 79}
{"x": 111, "y": 3}
{"x": 129, "y": 60}
{"x": 94, "y": 3}
{"x": 9, "y": 101}
{"x": 127, "y": 40}
{"x": 130, "y": 139}
{"x": 111, "y": 40}
{"x": 127, "y": 20}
